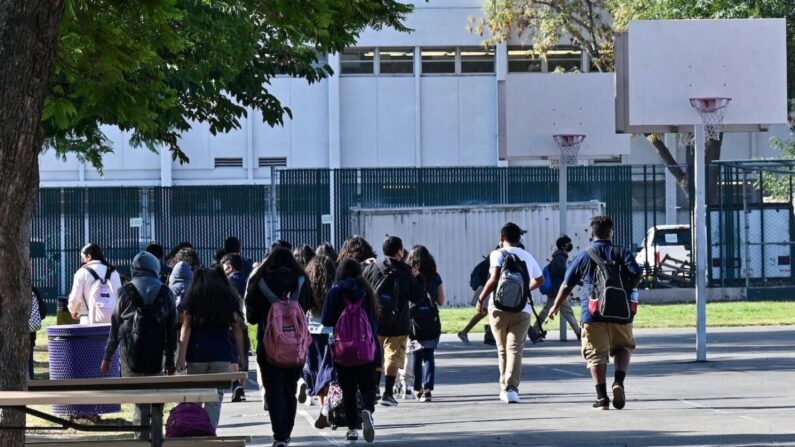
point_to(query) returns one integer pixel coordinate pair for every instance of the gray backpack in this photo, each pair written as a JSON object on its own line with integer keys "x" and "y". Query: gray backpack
{"x": 513, "y": 287}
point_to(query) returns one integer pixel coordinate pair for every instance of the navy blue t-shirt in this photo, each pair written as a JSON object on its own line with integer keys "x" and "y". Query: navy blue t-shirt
{"x": 211, "y": 344}
{"x": 582, "y": 267}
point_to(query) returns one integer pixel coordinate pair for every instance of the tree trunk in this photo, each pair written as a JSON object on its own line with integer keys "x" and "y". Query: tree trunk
{"x": 28, "y": 37}
{"x": 682, "y": 177}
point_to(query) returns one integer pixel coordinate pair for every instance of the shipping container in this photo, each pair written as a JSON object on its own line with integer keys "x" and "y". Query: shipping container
{"x": 459, "y": 237}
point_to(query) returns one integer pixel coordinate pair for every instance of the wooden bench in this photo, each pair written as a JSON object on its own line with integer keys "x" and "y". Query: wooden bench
{"x": 226, "y": 441}
{"x": 222, "y": 380}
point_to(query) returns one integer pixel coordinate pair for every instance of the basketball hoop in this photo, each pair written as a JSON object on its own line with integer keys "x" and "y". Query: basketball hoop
{"x": 569, "y": 145}
{"x": 712, "y": 111}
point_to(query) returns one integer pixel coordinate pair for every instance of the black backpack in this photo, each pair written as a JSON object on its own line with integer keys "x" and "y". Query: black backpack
{"x": 609, "y": 300}
{"x": 147, "y": 336}
{"x": 479, "y": 275}
{"x": 425, "y": 321}
{"x": 387, "y": 289}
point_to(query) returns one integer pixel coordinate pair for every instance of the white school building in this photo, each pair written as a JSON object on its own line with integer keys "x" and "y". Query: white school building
{"x": 429, "y": 98}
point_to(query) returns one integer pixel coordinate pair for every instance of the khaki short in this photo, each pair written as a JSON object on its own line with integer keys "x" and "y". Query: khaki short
{"x": 600, "y": 341}
{"x": 394, "y": 350}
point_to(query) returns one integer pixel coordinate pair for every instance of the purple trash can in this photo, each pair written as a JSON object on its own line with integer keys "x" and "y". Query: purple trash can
{"x": 76, "y": 351}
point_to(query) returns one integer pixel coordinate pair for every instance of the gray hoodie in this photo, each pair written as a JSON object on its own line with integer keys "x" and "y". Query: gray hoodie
{"x": 146, "y": 276}
{"x": 179, "y": 281}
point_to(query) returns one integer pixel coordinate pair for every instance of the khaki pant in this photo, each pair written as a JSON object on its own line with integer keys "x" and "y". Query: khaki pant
{"x": 141, "y": 412}
{"x": 566, "y": 312}
{"x": 510, "y": 332}
{"x": 394, "y": 349}
{"x": 600, "y": 341}
{"x": 213, "y": 409}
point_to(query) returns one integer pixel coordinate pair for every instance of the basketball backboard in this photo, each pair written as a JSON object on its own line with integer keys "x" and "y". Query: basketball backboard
{"x": 661, "y": 64}
{"x": 538, "y": 106}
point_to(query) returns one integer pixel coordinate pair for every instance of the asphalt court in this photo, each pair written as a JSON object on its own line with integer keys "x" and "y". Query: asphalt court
{"x": 744, "y": 395}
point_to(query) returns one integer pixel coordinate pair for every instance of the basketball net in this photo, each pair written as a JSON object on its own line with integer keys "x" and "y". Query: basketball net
{"x": 569, "y": 145}
{"x": 712, "y": 111}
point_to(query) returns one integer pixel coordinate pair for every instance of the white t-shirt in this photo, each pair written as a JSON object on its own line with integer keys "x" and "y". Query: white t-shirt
{"x": 496, "y": 258}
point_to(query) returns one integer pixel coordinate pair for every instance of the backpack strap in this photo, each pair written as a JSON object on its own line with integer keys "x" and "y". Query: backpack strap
{"x": 108, "y": 272}
{"x": 93, "y": 273}
{"x": 133, "y": 295}
{"x": 596, "y": 258}
{"x": 294, "y": 296}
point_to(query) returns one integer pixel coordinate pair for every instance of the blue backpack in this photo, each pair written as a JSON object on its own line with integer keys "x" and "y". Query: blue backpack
{"x": 547, "y": 286}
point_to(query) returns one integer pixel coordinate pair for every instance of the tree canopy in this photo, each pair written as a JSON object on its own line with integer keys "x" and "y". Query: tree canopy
{"x": 152, "y": 67}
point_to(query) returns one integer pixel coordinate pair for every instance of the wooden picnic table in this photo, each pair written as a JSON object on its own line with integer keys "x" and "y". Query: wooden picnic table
{"x": 155, "y": 391}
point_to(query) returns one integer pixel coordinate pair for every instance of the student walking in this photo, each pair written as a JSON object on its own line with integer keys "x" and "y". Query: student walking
{"x": 352, "y": 308}
{"x": 211, "y": 311}
{"x": 395, "y": 287}
{"x": 278, "y": 290}
{"x": 358, "y": 248}
{"x": 425, "y": 323}
{"x": 514, "y": 273}
{"x": 232, "y": 264}
{"x": 95, "y": 288}
{"x": 557, "y": 271}
{"x": 608, "y": 273}
{"x": 319, "y": 368}
{"x": 143, "y": 303}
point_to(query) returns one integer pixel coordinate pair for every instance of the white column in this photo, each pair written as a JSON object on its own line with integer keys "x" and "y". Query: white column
{"x": 670, "y": 183}
{"x": 501, "y": 73}
{"x": 334, "y": 158}
{"x": 165, "y": 167}
{"x": 700, "y": 243}
{"x": 252, "y": 161}
{"x": 417, "y": 107}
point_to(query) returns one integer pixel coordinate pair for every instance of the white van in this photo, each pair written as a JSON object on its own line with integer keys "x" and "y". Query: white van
{"x": 673, "y": 241}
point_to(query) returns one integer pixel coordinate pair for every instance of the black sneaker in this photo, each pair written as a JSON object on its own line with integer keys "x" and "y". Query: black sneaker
{"x": 602, "y": 404}
{"x": 238, "y": 394}
{"x": 619, "y": 399}
{"x": 426, "y": 396}
{"x": 352, "y": 435}
{"x": 388, "y": 400}
{"x": 377, "y": 395}
{"x": 464, "y": 338}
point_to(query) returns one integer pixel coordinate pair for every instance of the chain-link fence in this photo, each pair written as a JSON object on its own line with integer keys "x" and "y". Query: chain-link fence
{"x": 751, "y": 223}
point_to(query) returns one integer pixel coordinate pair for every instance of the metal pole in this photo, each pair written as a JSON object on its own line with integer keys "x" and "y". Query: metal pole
{"x": 747, "y": 225}
{"x": 700, "y": 243}
{"x": 563, "y": 199}
{"x": 62, "y": 241}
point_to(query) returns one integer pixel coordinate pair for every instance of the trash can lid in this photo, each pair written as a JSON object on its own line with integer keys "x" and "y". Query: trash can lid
{"x": 78, "y": 330}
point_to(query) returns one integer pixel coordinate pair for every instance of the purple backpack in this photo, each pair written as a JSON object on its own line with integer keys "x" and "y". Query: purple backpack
{"x": 188, "y": 420}
{"x": 353, "y": 336}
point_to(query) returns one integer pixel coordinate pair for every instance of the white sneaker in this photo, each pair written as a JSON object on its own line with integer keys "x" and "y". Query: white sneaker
{"x": 512, "y": 397}
{"x": 408, "y": 395}
{"x": 504, "y": 396}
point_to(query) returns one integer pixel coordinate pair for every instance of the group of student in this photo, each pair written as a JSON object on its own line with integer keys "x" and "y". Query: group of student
{"x": 335, "y": 323}
{"x": 332, "y": 325}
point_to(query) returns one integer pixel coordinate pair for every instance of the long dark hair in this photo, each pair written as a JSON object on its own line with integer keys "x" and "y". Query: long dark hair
{"x": 358, "y": 248}
{"x": 303, "y": 254}
{"x": 211, "y": 300}
{"x": 350, "y": 268}
{"x": 281, "y": 257}
{"x": 326, "y": 249}
{"x": 320, "y": 272}
{"x": 95, "y": 252}
{"x": 421, "y": 259}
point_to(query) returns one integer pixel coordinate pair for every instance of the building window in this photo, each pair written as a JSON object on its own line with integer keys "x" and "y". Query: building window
{"x": 564, "y": 59}
{"x": 438, "y": 60}
{"x": 396, "y": 60}
{"x": 357, "y": 61}
{"x": 477, "y": 60}
{"x": 523, "y": 60}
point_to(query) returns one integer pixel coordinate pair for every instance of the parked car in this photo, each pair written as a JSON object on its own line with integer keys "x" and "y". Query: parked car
{"x": 671, "y": 241}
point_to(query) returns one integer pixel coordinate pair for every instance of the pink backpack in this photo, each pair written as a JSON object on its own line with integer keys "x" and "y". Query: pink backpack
{"x": 353, "y": 336}
{"x": 188, "y": 420}
{"x": 286, "y": 339}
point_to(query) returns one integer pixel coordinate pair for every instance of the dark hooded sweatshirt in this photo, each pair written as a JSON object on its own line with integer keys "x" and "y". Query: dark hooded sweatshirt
{"x": 146, "y": 281}
{"x": 281, "y": 281}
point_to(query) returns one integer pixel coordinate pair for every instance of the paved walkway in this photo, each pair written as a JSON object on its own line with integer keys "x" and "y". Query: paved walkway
{"x": 743, "y": 396}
